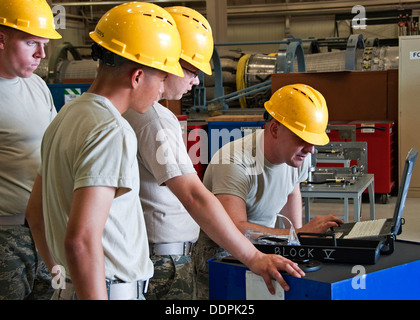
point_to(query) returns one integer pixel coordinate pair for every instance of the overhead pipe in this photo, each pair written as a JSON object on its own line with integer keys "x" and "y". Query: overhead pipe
{"x": 108, "y": 3}
{"x": 318, "y": 7}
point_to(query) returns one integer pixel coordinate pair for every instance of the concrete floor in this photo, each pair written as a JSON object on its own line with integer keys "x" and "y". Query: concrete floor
{"x": 410, "y": 231}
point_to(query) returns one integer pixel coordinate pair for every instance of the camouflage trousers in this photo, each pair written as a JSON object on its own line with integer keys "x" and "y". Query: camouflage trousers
{"x": 203, "y": 250}
{"x": 23, "y": 274}
{"x": 172, "y": 278}
{"x": 67, "y": 293}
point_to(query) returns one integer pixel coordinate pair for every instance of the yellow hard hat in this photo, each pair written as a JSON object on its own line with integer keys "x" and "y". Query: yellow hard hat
{"x": 31, "y": 16}
{"x": 142, "y": 32}
{"x": 303, "y": 110}
{"x": 196, "y": 37}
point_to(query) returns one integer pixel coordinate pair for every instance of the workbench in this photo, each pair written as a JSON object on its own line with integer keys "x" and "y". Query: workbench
{"x": 342, "y": 191}
{"x": 393, "y": 276}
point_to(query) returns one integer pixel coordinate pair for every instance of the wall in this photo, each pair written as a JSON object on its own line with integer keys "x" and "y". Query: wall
{"x": 409, "y": 111}
{"x": 351, "y": 95}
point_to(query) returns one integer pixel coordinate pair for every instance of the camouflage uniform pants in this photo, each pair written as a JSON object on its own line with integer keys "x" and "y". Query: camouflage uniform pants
{"x": 203, "y": 250}
{"x": 67, "y": 293}
{"x": 172, "y": 278}
{"x": 23, "y": 275}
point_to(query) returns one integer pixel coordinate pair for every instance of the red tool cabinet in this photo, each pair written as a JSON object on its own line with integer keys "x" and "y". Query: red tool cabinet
{"x": 197, "y": 146}
{"x": 195, "y": 139}
{"x": 381, "y": 152}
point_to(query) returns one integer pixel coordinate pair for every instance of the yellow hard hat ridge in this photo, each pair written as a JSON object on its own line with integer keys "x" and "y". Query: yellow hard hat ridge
{"x": 141, "y": 32}
{"x": 196, "y": 37}
{"x": 31, "y": 16}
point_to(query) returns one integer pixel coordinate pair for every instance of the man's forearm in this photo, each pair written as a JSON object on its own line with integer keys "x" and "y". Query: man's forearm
{"x": 244, "y": 226}
{"x": 87, "y": 270}
{"x": 83, "y": 242}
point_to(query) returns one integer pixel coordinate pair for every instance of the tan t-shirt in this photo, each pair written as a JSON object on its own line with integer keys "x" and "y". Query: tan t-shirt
{"x": 162, "y": 155}
{"x": 89, "y": 143}
{"x": 240, "y": 168}
{"x": 26, "y": 109}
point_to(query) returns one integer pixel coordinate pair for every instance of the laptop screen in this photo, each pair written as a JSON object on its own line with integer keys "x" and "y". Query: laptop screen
{"x": 402, "y": 193}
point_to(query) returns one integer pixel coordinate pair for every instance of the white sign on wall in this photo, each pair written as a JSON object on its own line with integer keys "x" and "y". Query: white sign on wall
{"x": 414, "y": 55}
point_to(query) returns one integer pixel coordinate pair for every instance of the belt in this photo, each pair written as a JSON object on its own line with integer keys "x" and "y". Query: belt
{"x": 118, "y": 290}
{"x": 174, "y": 248}
{"x": 13, "y": 220}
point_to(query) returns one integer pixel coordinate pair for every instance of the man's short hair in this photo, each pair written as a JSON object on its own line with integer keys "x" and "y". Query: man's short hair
{"x": 267, "y": 116}
{"x": 106, "y": 56}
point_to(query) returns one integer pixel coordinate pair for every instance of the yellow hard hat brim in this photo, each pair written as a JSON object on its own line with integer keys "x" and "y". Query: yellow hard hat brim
{"x": 174, "y": 68}
{"x": 309, "y": 137}
{"x": 44, "y": 33}
{"x": 205, "y": 66}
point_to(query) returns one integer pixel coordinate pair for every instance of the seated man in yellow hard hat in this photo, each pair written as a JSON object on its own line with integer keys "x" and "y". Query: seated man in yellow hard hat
{"x": 258, "y": 176}
{"x": 88, "y": 185}
{"x": 171, "y": 193}
{"x": 26, "y": 109}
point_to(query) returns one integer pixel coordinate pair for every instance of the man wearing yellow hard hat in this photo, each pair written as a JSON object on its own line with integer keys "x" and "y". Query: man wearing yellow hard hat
{"x": 173, "y": 197}
{"x": 258, "y": 176}
{"x": 88, "y": 185}
{"x": 171, "y": 230}
{"x": 26, "y": 109}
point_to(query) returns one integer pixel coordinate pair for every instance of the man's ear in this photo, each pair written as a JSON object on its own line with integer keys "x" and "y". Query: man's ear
{"x": 2, "y": 39}
{"x": 274, "y": 128}
{"x": 137, "y": 77}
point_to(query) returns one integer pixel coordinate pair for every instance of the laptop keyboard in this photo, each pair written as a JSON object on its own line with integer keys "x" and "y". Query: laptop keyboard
{"x": 364, "y": 229}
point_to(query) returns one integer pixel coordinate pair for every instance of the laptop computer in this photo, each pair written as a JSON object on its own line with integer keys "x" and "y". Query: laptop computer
{"x": 379, "y": 229}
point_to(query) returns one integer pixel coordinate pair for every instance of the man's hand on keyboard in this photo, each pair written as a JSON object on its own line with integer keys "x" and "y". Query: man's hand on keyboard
{"x": 320, "y": 224}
